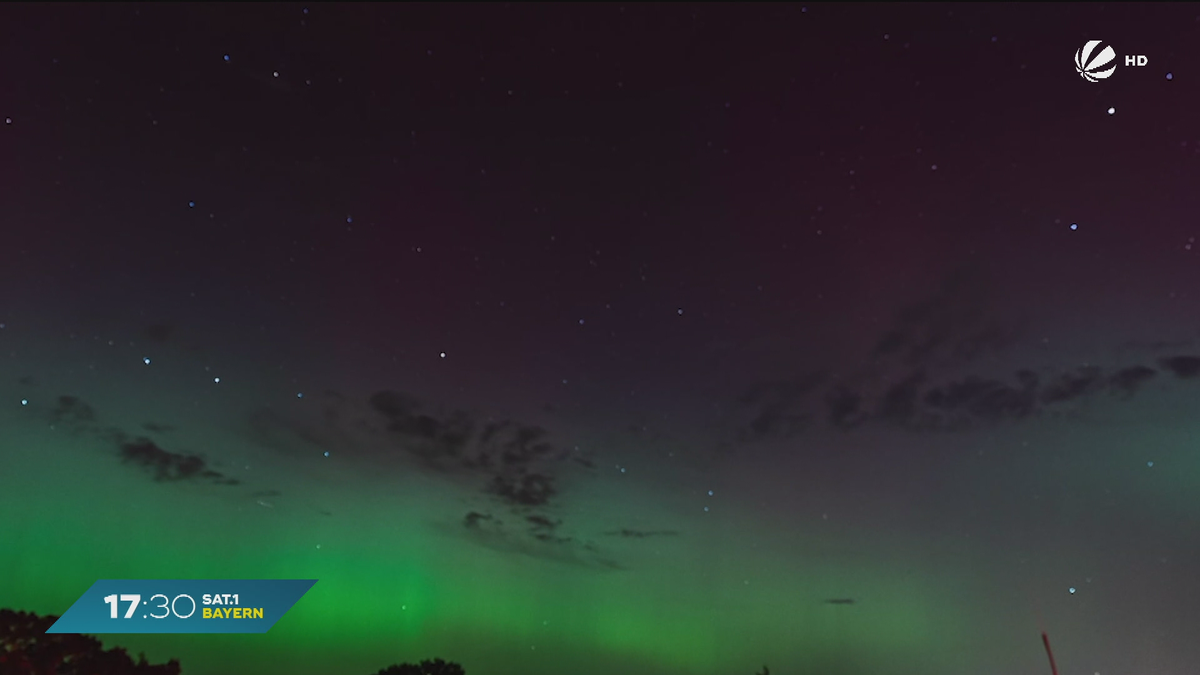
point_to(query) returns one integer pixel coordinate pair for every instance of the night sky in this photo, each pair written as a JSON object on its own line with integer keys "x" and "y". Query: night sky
{"x": 651, "y": 339}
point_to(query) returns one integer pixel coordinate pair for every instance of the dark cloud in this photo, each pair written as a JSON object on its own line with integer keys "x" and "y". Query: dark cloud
{"x": 515, "y": 444}
{"x": 900, "y": 404}
{"x": 840, "y": 601}
{"x": 946, "y": 327}
{"x": 938, "y": 334}
{"x": 430, "y": 436}
{"x": 1074, "y": 384}
{"x": 513, "y": 460}
{"x": 27, "y": 381}
{"x": 71, "y": 410}
{"x": 542, "y": 522}
{"x": 845, "y": 408}
{"x": 1128, "y": 380}
{"x": 544, "y": 530}
{"x": 540, "y": 542}
{"x": 474, "y": 518}
{"x": 527, "y": 490}
{"x": 168, "y": 466}
{"x": 910, "y": 379}
{"x": 515, "y": 465}
{"x": 973, "y": 400}
{"x": 155, "y": 428}
{"x": 777, "y": 410}
{"x": 72, "y": 414}
{"x": 914, "y": 402}
{"x": 1183, "y": 367}
{"x": 513, "y": 456}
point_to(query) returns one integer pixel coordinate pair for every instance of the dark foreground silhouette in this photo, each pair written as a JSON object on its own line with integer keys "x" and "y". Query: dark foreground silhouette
{"x": 26, "y": 649}
{"x": 434, "y": 667}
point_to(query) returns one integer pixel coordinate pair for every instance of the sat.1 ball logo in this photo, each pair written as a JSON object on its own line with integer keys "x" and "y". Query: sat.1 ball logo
{"x": 1094, "y": 64}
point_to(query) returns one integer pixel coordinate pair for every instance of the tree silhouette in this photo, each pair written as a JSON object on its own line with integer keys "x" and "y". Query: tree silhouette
{"x": 434, "y": 667}
{"x": 26, "y": 649}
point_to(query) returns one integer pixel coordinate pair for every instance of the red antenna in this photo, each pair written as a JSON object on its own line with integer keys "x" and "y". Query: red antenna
{"x": 1046, "y": 641}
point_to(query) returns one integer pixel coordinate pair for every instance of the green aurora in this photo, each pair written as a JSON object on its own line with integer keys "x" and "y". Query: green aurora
{"x": 952, "y": 582}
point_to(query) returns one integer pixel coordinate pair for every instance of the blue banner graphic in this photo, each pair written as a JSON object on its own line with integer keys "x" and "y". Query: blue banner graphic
{"x": 182, "y": 606}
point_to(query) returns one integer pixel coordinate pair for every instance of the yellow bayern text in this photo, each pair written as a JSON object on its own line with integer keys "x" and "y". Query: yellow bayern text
{"x": 232, "y": 612}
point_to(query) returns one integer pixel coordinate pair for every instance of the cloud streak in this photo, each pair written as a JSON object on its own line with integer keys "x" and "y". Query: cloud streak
{"x": 518, "y": 471}
{"x": 911, "y": 379}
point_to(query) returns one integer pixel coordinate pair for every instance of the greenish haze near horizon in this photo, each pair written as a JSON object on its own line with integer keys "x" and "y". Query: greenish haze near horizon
{"x": 743, "y": 584}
